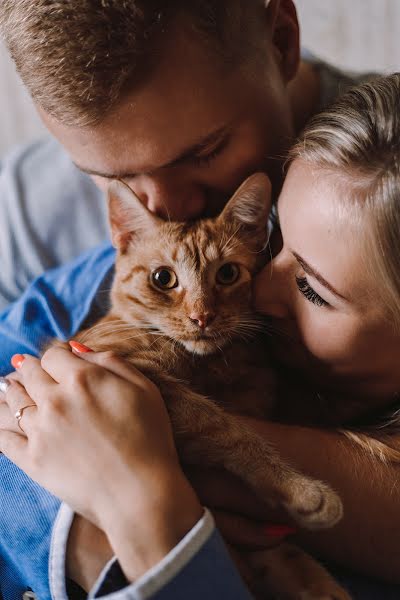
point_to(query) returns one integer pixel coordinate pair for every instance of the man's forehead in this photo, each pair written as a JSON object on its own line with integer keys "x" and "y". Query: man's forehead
{"x": 194, "y": 149}
{"x": 153, "y": 129}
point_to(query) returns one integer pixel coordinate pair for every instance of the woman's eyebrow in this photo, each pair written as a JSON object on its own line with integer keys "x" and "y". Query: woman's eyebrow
{"x": 191, "y": 151}
{"x": 314, "y": 273}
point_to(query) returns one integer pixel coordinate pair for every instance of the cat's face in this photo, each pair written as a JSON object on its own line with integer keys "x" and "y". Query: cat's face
{"x": 190, "y": 281}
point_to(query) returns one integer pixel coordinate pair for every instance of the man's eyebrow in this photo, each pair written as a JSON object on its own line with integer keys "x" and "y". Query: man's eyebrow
{"x": 314, "y": 273}
{"x": 191, "y": 151}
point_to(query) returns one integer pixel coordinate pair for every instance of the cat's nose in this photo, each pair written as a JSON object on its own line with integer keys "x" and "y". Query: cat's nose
{"x": 202, "y": 319}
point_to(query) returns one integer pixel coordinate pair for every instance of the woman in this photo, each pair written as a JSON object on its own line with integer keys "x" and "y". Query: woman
{"x": 333, "y": 290}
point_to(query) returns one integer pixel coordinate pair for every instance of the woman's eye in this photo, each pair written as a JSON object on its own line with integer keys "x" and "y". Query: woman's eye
{"x": 228, "y": 274}
{"x": 309, "y": 293}
{"x": 164, "y": 278}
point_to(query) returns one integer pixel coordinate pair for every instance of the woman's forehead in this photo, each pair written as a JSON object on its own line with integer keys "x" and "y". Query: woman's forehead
{"x": 317, "y": 226}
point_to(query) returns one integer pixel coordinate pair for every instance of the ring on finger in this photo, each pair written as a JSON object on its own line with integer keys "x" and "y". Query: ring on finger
{"x": 20, "y": 412}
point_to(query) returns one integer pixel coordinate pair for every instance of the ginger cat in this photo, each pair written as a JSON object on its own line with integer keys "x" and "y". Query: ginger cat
{"x": 181, "y": 313}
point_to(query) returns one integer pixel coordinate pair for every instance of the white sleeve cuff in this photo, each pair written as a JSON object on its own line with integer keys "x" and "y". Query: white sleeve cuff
{"x": 163, "y": 572}
{"x": 149, "y": 583}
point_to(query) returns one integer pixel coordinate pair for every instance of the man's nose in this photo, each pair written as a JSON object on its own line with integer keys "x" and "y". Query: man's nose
{"x": 272, "y": 290}
{"x": 170, "y": 198}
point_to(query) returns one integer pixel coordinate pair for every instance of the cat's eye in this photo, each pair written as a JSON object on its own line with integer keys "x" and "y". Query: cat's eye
{"x": 164, "y": 278}
{"x": 228, "y": 274}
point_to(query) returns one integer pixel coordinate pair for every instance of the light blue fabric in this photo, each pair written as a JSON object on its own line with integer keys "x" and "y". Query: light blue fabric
{"x": 27, "y": 516}
{"x": 56, "y": 304}
{"x": 50, "y": 213}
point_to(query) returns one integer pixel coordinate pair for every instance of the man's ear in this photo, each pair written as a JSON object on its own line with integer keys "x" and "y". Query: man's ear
{"x": 250, "y": 205}
{"x": 128, "y": 216}
{"x": 284, "y": 27}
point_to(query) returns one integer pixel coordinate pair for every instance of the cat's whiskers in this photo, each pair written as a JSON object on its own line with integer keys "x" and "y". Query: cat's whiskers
{"x": 118, "y": 326}
{"x": 104, "y": 291}
{"x": 279, "y": 333}
{"x": 110, "y": 329}
{"x": 229, "y": 240}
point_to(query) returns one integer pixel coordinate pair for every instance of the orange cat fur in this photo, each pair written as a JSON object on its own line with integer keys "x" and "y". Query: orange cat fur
{"x": 181, "y": 312}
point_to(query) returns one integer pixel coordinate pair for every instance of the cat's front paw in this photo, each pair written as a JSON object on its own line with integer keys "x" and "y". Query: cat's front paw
{"x": 313, "y": 504}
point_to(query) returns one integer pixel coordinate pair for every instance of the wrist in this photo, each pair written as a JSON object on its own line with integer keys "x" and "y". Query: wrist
{"x": 88, "y": 550}
{"x": 143, "y": 527}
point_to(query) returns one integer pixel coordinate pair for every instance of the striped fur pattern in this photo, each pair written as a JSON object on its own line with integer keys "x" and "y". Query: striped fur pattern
{"x": 181, "y": 312}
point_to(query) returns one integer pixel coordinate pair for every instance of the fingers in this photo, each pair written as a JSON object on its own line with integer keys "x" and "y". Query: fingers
{"x": 7, "y": 420}
{"x": 14, "y": 446}
{"x": 37, "y": 382}
{"x": 4, "y": 384}
{"x": 59, "y": 363}
{"x": 113, "y": 363}
{"x": 17, "y": 401}
{"x": 239, "y": 531}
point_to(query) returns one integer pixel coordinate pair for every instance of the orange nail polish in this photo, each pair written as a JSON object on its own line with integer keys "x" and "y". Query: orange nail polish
{"x": 17, "y": 361}
{"x": 78, "y": 347}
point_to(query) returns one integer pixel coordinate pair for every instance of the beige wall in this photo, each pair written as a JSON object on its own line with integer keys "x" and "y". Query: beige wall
{"x": 358, "y": 34}
{"x": 355, "y": 34}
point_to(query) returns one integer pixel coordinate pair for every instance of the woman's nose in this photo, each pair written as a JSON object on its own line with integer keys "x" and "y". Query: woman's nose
{"x": 170, "y": 199}
{"x": 272, "y": 291}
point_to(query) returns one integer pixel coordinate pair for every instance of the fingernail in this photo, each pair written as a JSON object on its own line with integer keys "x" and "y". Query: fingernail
{"x": 78, "y": 347}
{"x": 4, "y": 385}
{"x": 17, "y": 361}
{"x": 279, "y": 530}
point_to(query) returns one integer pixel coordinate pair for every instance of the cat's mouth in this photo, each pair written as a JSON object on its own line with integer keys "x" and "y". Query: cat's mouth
{"x": 203, "y": 343}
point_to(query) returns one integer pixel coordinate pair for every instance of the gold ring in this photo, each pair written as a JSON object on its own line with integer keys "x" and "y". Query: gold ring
{"x": 20, "y": 412}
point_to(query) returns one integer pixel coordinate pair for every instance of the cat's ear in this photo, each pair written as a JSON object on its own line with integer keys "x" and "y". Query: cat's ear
{"x": 250, "y": 205}
{"x": 128, "y": 217}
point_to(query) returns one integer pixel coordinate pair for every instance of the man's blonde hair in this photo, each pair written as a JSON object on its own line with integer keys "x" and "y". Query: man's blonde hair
{"x": 77, "y": 58}
{"x": 358, "y": 139}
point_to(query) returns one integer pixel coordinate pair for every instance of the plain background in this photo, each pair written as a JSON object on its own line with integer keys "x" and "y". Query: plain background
{"x": 352, "y": 34}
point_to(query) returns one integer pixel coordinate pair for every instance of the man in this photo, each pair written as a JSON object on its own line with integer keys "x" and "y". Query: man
{"x": 182, "y": 101}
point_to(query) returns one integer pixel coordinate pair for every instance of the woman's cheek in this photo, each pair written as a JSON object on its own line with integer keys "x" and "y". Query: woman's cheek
{"x": 329, "y": 337}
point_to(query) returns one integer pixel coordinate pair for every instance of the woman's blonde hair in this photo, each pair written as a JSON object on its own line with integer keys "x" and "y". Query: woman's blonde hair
{"x": 358, "y": 138}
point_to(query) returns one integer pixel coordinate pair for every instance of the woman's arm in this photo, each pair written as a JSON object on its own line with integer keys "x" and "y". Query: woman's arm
{"x": 368, "y": 537}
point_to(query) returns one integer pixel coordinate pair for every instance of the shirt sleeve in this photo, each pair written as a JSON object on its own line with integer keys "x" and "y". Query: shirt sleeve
{"x": 57, "y": 304}
{"x": 198, "y": 567}
{"x": 50, "y": 214}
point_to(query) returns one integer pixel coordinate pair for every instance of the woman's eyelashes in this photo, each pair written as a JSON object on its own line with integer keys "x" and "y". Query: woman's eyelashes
{"x": 309, "y": 293}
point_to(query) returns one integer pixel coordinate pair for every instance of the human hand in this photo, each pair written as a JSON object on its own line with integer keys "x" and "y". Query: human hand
{"x": 71, "y": 415}
{"x": 93, "y": 415}
{"x": 243, "y": 520}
